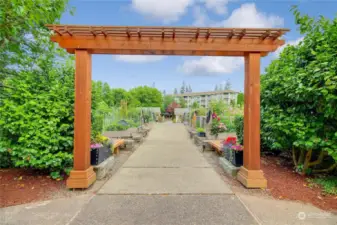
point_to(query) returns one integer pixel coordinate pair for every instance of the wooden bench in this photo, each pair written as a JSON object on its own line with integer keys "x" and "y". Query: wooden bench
{"x": 215, "y": 145}
{"x": 117, "y": 144}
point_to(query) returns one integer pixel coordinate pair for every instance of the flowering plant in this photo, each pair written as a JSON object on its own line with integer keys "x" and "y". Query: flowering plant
{"x": 217, "y": 127}
{"x": 237, "y": 147}
{"x": 230, "y": 141}
{"x": 96, "y": 145}
{"x": 99, "y": 141}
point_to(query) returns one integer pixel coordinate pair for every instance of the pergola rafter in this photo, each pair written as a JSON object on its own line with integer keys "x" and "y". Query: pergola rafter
{"x": 167, "y": 40}
{"x": 251, "y": 43}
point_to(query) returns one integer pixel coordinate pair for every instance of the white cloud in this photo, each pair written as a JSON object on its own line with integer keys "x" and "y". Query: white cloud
{"x": 247, "y": 16}
{"x": 294, "y": 42}
{"x": 218, "y": 6}
{"x": 139, "y": 58}
{"x": 208, "y": 65}
{"x": 166, "y": 10}
{"x": 200, "y": 16}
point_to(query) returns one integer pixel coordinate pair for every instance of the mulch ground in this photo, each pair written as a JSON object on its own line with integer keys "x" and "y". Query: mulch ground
{"x": 19, "y": 186}
{"x": 285, "y": 183}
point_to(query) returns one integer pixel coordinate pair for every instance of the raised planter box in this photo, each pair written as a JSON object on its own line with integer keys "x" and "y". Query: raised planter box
{"x": 236, "y": 158}
{"x": 228, "y": 167}
{"x": 201, "y": 134}
{"x": 98, "y": 155}
{"x": 226, "y": 151}
{"x": 103, "y": 168}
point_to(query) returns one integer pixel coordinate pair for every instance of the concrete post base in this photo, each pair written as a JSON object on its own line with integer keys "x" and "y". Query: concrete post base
{"x": 252, "y": 178}
{"x": 81, "y": 178}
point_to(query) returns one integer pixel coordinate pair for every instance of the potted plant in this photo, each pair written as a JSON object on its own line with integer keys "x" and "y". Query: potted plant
{"x": 217, "y": 127}
{"x": 201, "y": 132}
{"x": 236, "y": 155}
{"x": 227, "y": 144}
{"x": 100, "y": 149}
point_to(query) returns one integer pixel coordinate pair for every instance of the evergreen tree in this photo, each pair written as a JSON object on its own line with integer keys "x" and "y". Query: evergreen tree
{"x": 183, "y": 88}
{"x": 228, "y": 85}
{"x": 175, "y": 91}
{"x": 216, "y": 88}
{"x": 189, "y": 89}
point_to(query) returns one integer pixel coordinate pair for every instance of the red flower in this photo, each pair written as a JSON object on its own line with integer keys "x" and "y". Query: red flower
{"x": 218, "y": 118}
{"x": 230, "y": 140}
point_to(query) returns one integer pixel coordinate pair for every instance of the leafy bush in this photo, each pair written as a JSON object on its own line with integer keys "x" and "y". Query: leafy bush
{"x": 238, "y": 123}
{"x": 116, "y": 127}
{"x": 299, "y": 98}
{"x": 329, "y": 184}
{"x": 37, "y": 110}
{"x": 5, "y": 158}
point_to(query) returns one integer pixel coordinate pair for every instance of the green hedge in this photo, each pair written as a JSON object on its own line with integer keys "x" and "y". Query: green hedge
{"x": 238, "y": 123}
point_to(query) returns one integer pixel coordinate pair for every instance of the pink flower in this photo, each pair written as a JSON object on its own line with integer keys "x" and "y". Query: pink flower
{"x": 96, "y": 145}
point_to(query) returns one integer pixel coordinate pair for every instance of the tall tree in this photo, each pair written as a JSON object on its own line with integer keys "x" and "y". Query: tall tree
{"x": 107, "y": 95}
{"x": 167, "y": 100}
{"x": 175, "y": 91}
{"x": 183, "y": 88}
{"x": 189, "y": 89}
{"x": 119, "y": 95}
{"x": 147, "y": 96}
{"x": 182, "y": 102}
{"x": 22, "y": 22}
{"x": 216, "y": 88}
{"x": 228, "y": 85}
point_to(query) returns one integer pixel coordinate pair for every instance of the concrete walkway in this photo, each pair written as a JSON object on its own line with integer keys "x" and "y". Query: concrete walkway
{"x": 165, "y": 181}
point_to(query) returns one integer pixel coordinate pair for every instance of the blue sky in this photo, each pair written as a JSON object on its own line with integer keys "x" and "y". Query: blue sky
{"x": 202, "y": 73}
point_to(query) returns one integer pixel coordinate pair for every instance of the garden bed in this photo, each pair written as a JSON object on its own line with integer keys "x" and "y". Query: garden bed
{"x": 19, "y": 186}
{"x": 285, "y": 183}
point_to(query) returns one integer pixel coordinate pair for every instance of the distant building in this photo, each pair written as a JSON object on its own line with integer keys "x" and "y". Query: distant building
{"x": 204, "y": 98}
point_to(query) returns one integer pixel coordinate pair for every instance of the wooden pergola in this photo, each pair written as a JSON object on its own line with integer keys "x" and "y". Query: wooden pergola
{"x": 195, "y": 41}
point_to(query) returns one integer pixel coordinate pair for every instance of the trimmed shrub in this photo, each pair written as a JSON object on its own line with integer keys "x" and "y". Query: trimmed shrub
{"x": 238, "y": 123}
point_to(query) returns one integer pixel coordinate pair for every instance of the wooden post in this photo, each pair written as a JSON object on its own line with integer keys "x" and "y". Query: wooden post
{"x": 82, "y": 175}
{"x": 250, "y": 174}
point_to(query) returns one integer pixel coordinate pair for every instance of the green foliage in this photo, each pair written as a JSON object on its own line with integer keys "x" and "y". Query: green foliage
{"x": 299, "y": 97}
{"x": 218, "y": 106}
{"x": 118, "y": 127}
{"x": 22, "y": 22}
{"x": 119, "y": 94}
{"x": 238, "y": 123}
{"x": 36, "y": 104}
{"x": 167, "y": 100}
{"x": 182, "y": 102}
{"x": 217, "y": 126}
{"x": 240, "y": 99}
{"x": 201, "y": 111}
{"x": 37, "y": 113}
{"x": 55, "y": 175}
{"x": 195, "y": 105}
{"x": 329, "y": 184}
{"x": 5, "y": 158}
{"x": 147, "y": 96}
{"x": 200, "y": 130}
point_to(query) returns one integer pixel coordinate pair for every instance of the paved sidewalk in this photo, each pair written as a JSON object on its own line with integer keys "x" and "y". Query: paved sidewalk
{"x": 166, "y": 181}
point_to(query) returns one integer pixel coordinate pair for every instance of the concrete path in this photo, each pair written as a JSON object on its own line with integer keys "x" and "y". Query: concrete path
{"x": 166, "y": 163}
{"x": 166, "y": 181}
